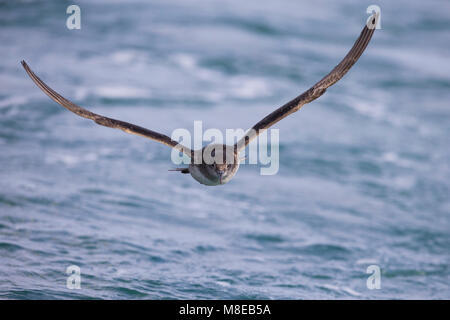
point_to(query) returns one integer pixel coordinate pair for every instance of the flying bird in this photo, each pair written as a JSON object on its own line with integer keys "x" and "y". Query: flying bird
{"x": 216, "y": 164}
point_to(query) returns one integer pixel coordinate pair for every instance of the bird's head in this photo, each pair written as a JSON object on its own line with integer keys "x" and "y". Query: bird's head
{"x": 221, "y": 162}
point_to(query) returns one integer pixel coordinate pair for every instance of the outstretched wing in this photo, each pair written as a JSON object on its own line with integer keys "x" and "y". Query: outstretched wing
{"x": 318, "y": 89}
{"x": 104, "y": 121}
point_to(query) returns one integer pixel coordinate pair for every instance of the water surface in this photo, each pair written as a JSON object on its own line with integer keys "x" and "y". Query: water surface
{"x": 364, "y": 171}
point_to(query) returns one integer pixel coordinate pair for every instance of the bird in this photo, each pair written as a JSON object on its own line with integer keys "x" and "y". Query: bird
{"x": 217, "y": 164}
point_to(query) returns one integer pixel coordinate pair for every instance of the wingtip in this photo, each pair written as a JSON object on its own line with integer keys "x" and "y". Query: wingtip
{"x": 373, "y": 21}
{"x": 24, "y": 64}
{"x": 182, "y": 170}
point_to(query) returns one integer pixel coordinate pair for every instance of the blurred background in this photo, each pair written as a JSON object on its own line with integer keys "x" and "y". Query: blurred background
{"x": 364, "y": 171}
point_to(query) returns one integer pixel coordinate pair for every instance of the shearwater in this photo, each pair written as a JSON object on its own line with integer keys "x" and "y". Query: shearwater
{"x": 219, "y": 163}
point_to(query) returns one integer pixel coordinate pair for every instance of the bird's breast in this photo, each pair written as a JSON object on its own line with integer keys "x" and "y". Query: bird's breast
{"x": 200, "y": 173}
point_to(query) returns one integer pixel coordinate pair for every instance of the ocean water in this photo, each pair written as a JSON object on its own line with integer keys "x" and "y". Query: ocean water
{"x": 364, "y": 170}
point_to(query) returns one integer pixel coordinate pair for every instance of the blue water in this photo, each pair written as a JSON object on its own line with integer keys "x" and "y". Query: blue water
{"x": 364, "y": 171}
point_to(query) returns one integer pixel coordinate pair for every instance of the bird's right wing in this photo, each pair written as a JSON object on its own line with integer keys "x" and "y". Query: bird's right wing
{"x": 104, "y": 121}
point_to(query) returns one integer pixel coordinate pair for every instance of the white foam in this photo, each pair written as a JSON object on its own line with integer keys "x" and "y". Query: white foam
{"x": 393, "y": 157}
{"x": 366, "y": 261}
{"x": 124, "y": 56}
{"x": 390, "y": 157}
{"x": 404, "y": 182}
{"x": 435, "y": 64}
{"x": 351, "y": 291}
{"x": 15, "y": 100}
{"x": 370, "y": 108}
{"x": 249, "y": 88}
{"x": 121, "y": 92}
{"x": 186, "y": 61}
{"x": 71, "y": 160}
{"x": 223, "y": 283}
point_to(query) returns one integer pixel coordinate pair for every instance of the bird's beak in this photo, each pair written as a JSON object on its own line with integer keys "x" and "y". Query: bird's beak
{"x": 220, "y": 176}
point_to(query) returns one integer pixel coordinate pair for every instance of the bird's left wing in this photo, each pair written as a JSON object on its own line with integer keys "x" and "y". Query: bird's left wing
{"x": 318, "y": 89}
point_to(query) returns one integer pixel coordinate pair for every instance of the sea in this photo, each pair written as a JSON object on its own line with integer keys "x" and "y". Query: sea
{"x": 359, "y": 206}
